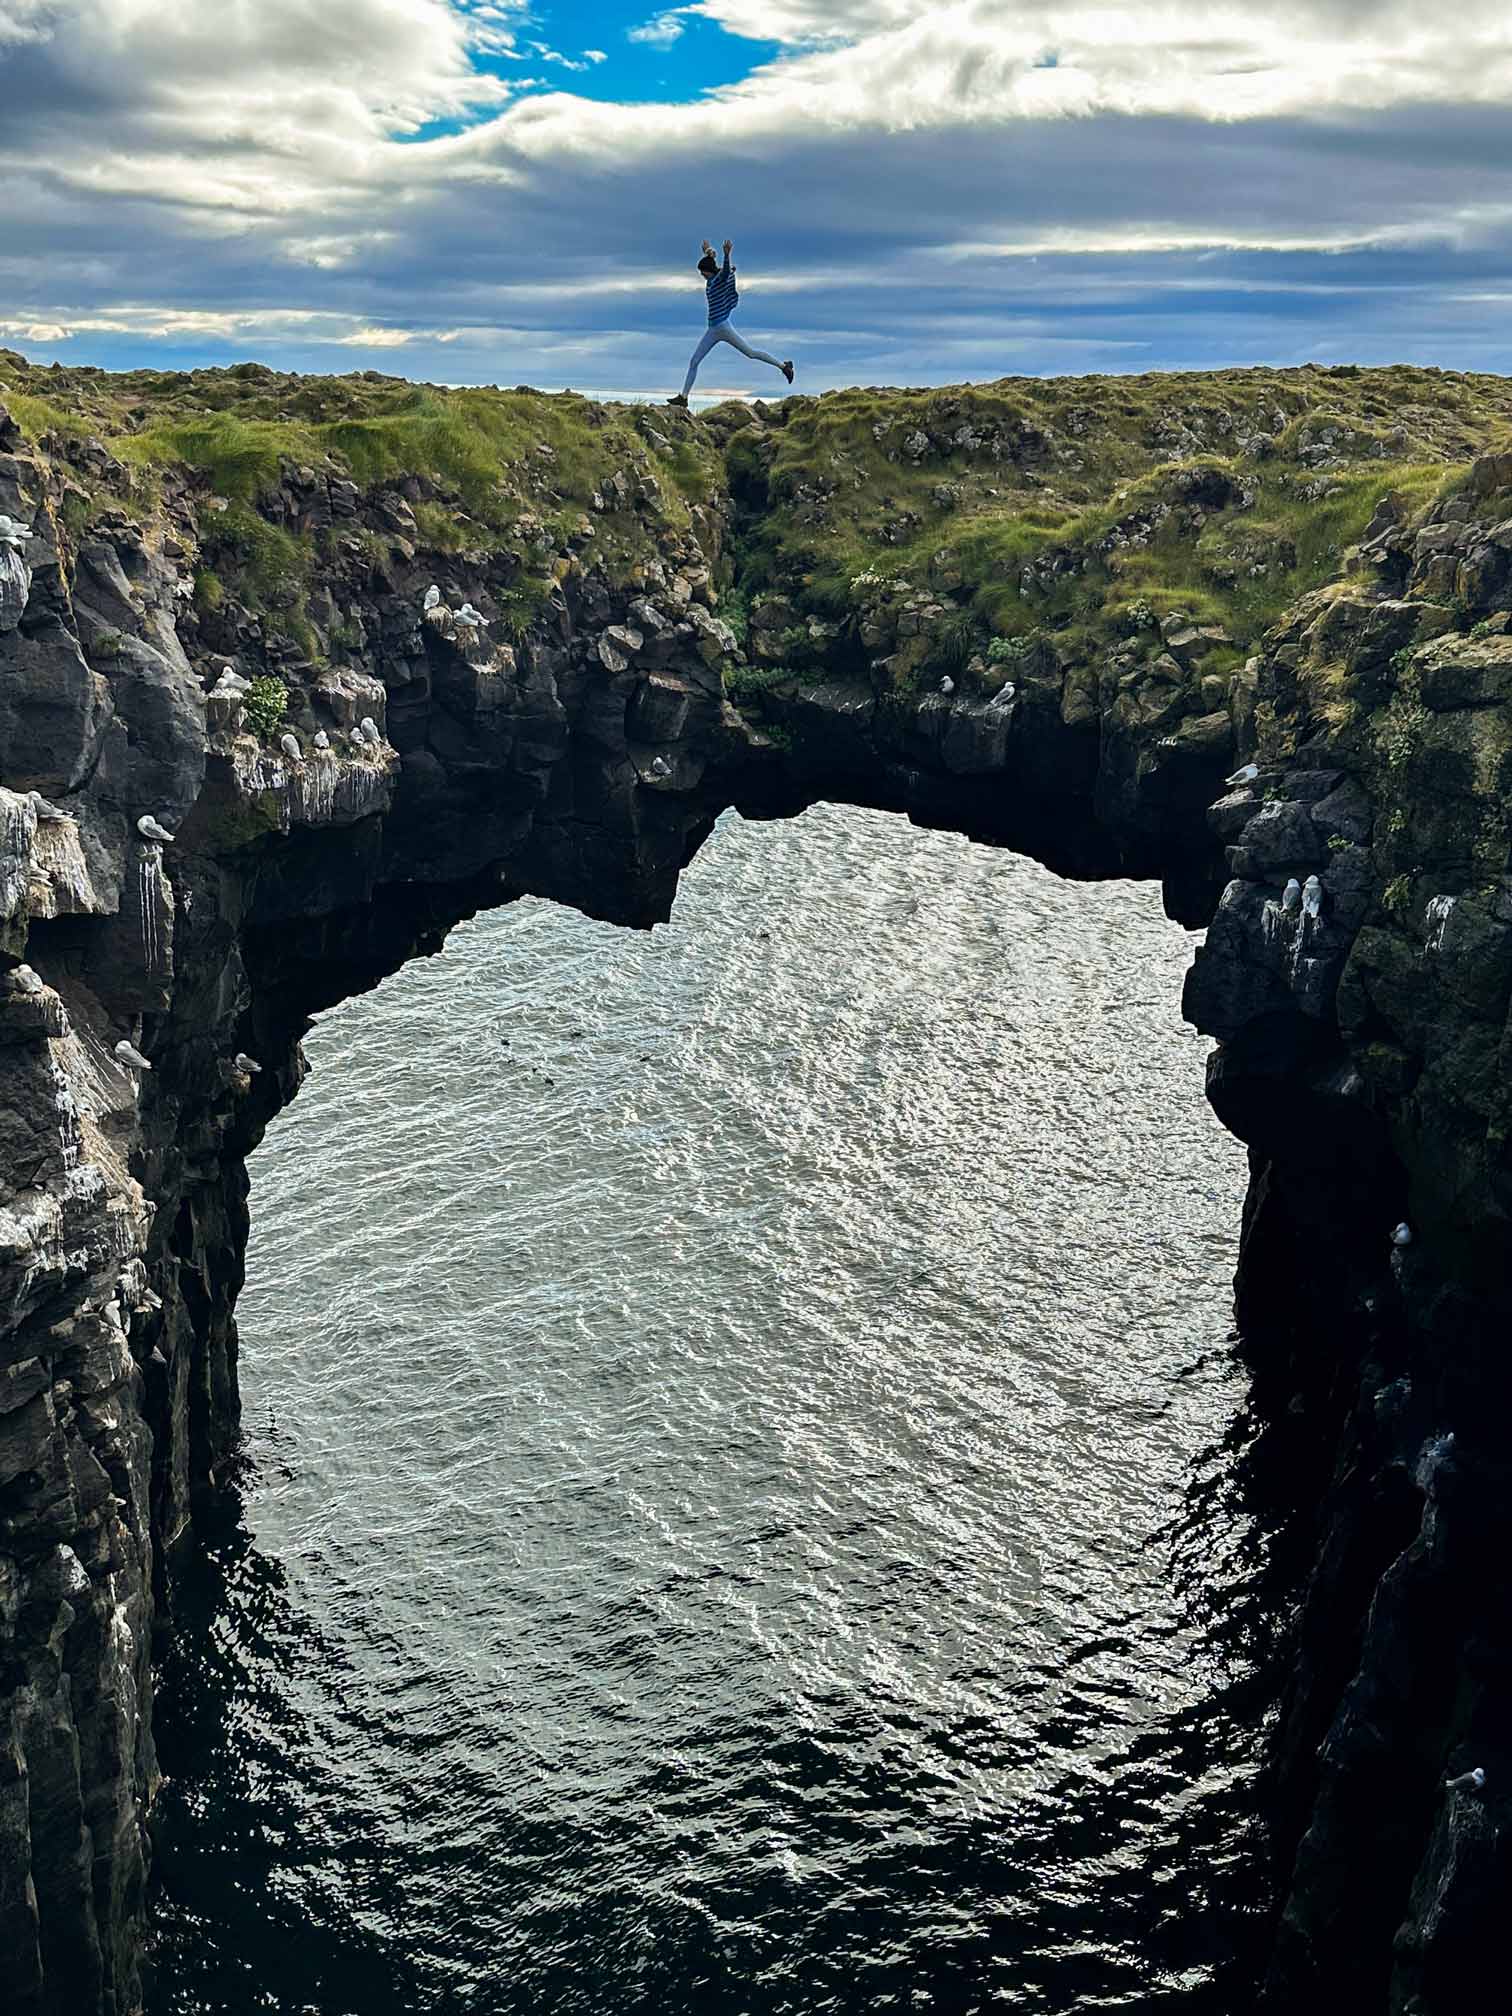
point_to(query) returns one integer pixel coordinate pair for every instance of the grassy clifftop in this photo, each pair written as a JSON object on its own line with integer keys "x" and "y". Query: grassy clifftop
{"x": 954, "y": 532}
{"x": 481, "y": 470}
{"x": 1086, "y": 510}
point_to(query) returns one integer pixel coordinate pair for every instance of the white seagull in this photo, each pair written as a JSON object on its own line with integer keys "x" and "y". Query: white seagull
{"x": 248, "y": 1064}
{"x": 432, "y": 598}
{"x": 47, "y": 813}
{"x": 1402, "y": 1235}
{"x": 1467, "y": 1781}
{"x": 947, "y": 685}
{"x": 322, "y": 740}
{"x": 13, "y": 532}
{"x": 475, "y": 617}
{"x": 1245, "y": 776}
{"x": 129, "y": 1054}
{"x": 367, "y": 728}
{"x": 1312, "y": 897}
{"x": 1004, "y": 697}
{"x": 290, "y": 747}
{"x": 28, "y": 981}
{"x": 1291, "y": 895}
{"x": 660, "y": 767}
{"x": 150, "y": 829}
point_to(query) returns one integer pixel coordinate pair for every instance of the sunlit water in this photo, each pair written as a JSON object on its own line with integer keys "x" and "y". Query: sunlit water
{"x": 743, "y": 1515}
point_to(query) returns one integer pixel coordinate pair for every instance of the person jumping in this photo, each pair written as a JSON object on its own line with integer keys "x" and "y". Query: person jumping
{"x": 724, "y": 297}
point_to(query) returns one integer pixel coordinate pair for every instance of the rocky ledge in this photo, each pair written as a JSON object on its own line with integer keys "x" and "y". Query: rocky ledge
{"x": 293, "y": 677}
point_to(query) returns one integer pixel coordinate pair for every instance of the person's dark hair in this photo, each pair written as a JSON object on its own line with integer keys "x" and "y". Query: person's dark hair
{"x": 708, "y": 264}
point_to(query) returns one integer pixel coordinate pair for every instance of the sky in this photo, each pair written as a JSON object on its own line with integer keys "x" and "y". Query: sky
{"x": 514, "y": 191}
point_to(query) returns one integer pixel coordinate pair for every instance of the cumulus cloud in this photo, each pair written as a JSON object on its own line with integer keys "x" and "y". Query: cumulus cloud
{"x": 938, "y": 186}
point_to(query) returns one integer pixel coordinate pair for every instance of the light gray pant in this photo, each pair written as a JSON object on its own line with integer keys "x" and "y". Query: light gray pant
{"x": 723, "y": 333}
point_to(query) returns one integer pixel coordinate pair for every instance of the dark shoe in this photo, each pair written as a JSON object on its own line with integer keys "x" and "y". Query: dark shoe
{"x": 679, "y": 399}
{"x": 787, "y": 371}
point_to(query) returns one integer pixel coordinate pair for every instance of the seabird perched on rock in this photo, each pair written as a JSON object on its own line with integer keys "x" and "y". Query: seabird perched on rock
{"x": 28, "y": 981}
{"x": 1312, "y": 897}
{"x": 475, "y": 617}
{"x": 1005, "y": 696}
{"x": 1467, "y": 1781}
{"x": 129, "y": 1054}
{"x": 432, "y": 598}
{"x": 322, "y": 740}
{"x": 660, "y": 767}
{"x": 947, "y": 685}
{"x": 248, "y": 1064}
{"x": 150, "y": 829}
{"x": 1402, "y": 1235}
{"x": 368, "y": 729}
{"x": 290, "y": 747}
{"x": 47, "y": 813}
{"x": 1291, "y": 895}
{"x": 13, "y": 532}
{"x": 1245, "y": 776}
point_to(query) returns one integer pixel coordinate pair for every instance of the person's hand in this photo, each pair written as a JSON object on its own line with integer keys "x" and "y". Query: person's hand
{"x": 729, "y": 246}
{"x": 707, "y": 246}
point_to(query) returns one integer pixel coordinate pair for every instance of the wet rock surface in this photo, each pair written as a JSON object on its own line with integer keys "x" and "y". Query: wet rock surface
{"x": 1336, "y": 814}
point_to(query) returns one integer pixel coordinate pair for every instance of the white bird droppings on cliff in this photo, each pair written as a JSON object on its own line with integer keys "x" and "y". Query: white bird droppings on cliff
{"x": 1440, "y": 910}
{"x": 151, "y": 829}
{"x": 150, "y": 898}
{"x": 130, "y": 1055}
{"x": 1468, "y": 1781}
{"x": 1245, "y": 776}
{"x": 1291, "y": 895}
{"x": 1312, "y": 897}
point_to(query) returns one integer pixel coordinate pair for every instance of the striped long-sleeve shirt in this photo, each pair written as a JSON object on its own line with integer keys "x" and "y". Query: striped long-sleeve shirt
{"x": 724, "y": 295}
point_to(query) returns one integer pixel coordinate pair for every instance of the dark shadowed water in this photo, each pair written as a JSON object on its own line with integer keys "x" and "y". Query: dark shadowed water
{"x": 745, "y": 1508}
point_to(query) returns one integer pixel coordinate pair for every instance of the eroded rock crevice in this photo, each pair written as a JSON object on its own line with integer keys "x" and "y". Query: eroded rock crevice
{"x": 418, "y": 729}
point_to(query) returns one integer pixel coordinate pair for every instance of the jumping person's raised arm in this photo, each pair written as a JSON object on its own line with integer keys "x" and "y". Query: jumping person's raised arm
{"x": 729, "y": 247}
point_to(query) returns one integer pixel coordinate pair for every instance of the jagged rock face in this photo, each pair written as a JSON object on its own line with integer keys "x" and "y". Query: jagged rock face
{"x": 441, "y": 761}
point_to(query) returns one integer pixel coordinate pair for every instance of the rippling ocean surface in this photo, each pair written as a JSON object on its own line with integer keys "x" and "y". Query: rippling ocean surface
{"x": 745, "y": 1506}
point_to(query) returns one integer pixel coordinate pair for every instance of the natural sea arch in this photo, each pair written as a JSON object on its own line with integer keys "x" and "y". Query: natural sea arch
{"x": 1018, "y": 936}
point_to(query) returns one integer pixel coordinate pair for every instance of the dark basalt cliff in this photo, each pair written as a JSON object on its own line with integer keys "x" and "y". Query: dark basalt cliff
{"x": 1305, "y": 573}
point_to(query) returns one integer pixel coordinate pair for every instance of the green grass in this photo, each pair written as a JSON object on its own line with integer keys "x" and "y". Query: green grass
{"x": 1018, "y": 468}
{"x": 494, "y": 454}
{"x": 239, "y": 459}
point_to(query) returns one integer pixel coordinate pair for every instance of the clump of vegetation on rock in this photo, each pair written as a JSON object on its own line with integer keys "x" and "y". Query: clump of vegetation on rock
{"x": 266, "y": 704}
